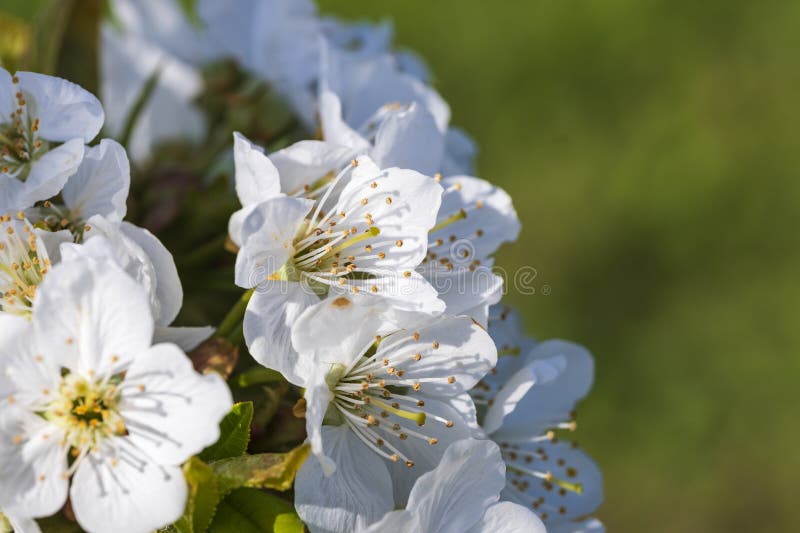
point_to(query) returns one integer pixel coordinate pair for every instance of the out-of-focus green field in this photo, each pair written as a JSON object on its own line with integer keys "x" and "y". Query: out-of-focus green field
{"x": 653, "y": 152}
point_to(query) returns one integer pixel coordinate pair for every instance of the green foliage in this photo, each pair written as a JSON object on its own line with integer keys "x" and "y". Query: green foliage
{"x": 234, "y": 434}
{"x": 267, "y": 470}
{"x": 215, "y": 476}
{"x": 203, "y": 497}
{"x": 253, "y": 511}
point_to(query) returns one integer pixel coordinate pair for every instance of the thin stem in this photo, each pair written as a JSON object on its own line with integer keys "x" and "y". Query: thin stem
{"x": 235, "y": 315}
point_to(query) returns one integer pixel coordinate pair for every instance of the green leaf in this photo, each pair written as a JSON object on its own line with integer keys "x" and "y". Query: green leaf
{"x": 265, "y": 470}
{"x": 253, "y": 511}
{"x": 234, "y": 434}
{"x": 203, "y": 497}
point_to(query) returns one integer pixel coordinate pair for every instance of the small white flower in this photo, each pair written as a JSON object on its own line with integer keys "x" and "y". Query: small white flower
{"x": 44, "y": 124}
{"x": 365, "y": 234}
{"x": 474, "y": 220}
{"x": 87, "y": 398}
{"x": 380, "y": 410}
{"x": 460, "y": 495}
{"x": 527, "y": 397}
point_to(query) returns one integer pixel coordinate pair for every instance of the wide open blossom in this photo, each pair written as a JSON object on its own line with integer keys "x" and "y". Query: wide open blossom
{"x": 475, "y": 218}
{"x": 528, "y": 396}
{"x": 44, "y": 124}
{"x": 461, "y": 495}
{"x": 91, "y": 409}
{"x": 365, "y": 234}
{"x": 380, "y": 407}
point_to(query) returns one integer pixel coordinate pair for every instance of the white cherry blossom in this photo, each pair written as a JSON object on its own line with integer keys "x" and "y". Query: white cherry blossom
{"x": 461, "y": 495}
{"x": 528, "y": 396}
{"x": 381, "y": 406}
{"x": 92, "y": 409}
{"x": 44, "y": 124}
{"x": 366, "y": 238}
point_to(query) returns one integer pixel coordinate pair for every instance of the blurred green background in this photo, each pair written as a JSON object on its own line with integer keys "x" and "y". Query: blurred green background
{"x": 651, "y": 148}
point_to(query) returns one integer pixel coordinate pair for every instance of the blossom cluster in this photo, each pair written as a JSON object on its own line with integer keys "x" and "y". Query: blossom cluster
{"x": 363, "y": 247}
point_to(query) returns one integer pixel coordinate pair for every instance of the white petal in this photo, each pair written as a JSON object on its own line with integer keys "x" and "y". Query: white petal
{"x": 491, "y": 220}
{"x": 459, "y": 153}
{"x": 455, "y": 495}
{"x": 65, "y": 110}
{"x": 408, "y": 291}
{"x": 466, "y": 291}
{"x": 507, "y": 517}
{"x": 451, "y": 347}
{"x": 48, "y": 174}
{"x": 171, "y": 411}
{"x": 305, "y": 162}
{"x": 32, "y": 469}
{"x": 92, "y": 316}
{"x": 169, "y": 292}
{"x": 271, "y": 314}
{"x": 186, "y": 338}
{"x": 131, "y": 494}
{"x": 335, "y": 330}
{"x": 334, "y": 128}
{"x": 236, "y": 222}
{"x": 51, "y": 243}
{"x": 141, "y": 255}
{"x": 15, "y": 334}
{"x": 396, "y": 522}
{"x": 357, "y": 494}
{"x": 100, "y": 185}
{"x": 549, "y": 403}
{"x": 409, "y": 139}
{"x": 426, "y": 457}
{"x": 318, "y": 396}
{"x": 257, "y": 178}
{"x": 267, "y": 238}
{"x": 7, "y": 95}
{"x": 535, "y": 373}
{"x": 21, "y": 524}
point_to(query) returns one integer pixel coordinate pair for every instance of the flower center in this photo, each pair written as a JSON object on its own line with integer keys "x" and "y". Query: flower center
{"x": 87, "y": 411}
{"x": 21, "y": 269}
{"x": 539, "y": 478}
{"x": 19, "y": 140}
{"x": 58, "y": 217}
{"x": 381, "y": 405}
